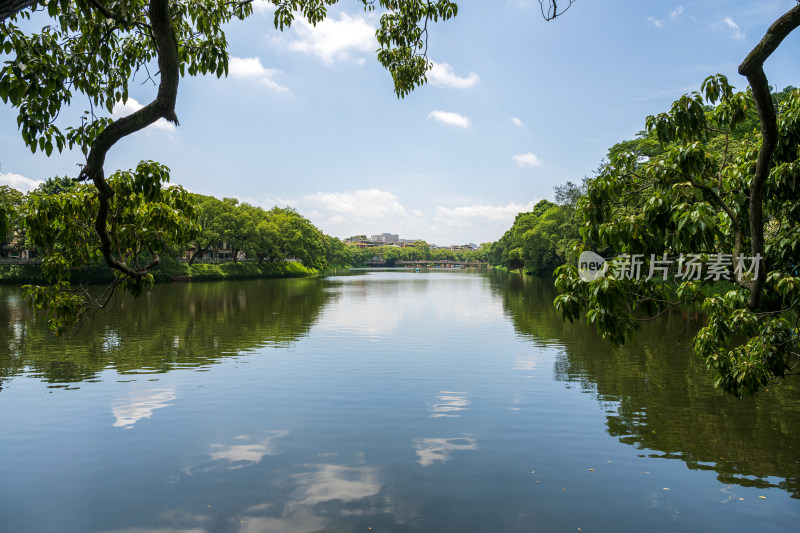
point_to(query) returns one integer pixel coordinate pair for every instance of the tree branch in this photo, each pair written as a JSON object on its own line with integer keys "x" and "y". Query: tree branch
{"x": 162, "y": 107}
{"x": 12, "y": 7}
{"x": 753, "y": 69}
{"x": 552, "y": 8}
{"x": 738, "y": 240}
{"x": 107, "y": 13}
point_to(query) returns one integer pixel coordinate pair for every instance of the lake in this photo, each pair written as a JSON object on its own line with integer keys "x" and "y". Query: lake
{"x": 448, "y": 401}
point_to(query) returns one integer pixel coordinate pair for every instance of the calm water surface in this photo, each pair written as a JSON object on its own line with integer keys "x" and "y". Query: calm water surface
{"x": 379, "y": 401}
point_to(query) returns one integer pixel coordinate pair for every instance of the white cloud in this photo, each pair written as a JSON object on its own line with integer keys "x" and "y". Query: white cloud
{"x": 442, "y": 75}
{"x": 251, "y": 69}
{"x": 527, "y": 160}
{"x": 453, "y": 119}
{"x": 736, "y": 31}
{"x": 674, "y": 15}
{"x": 359, "y": 205}
{"x": 469, "y": 214}
{"x": 517, "y": 122}
{"x": 333, "y": 39}
{"x": 19, "y": 182}
{"x": 263, "y": 6}
{"x": 121, "y": 109}
{"x": 369, "y": 211}
{"x": 270, "y": 202}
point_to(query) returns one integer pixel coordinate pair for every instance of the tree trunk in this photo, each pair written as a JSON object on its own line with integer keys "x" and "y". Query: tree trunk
{"x": 196, "y": 253}
{"x": 10, "y": 7}
{"x": 753, "y": 69}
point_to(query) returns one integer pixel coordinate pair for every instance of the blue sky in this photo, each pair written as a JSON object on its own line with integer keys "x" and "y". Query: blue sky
{"x": 515, "y": 105}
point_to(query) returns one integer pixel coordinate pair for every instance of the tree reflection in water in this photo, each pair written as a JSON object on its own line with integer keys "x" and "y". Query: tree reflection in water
{"x": 660, "y": 396}
{"x": 176, "y": 326}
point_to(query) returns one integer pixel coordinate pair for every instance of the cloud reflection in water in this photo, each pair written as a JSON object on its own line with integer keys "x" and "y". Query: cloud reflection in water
{"x": 527, "y": 363}
{"x": 431, "y": 450}
{"x": 450, "y": 403}
{"x": 140, "y": 405}
{"x": 240, "y": 455}
{"x": 328, "y": 482}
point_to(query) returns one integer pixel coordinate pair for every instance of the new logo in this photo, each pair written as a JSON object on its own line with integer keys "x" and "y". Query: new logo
{"x": 591, "y": 266}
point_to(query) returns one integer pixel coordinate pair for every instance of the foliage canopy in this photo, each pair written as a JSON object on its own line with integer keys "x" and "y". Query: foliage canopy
{"x": 90, "y": 51}
{"x": 692, "y": 200}
{"x": 538, "y": 241}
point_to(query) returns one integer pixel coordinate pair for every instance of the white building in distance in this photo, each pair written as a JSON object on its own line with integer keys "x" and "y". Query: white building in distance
{"x": 386, "y": 238}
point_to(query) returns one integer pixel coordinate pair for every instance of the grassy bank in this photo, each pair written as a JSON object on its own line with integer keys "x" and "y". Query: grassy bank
{"x": 169, "y": 270}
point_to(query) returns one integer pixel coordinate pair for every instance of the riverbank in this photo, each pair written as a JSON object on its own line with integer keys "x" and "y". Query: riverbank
{"x": 168, "y": 271}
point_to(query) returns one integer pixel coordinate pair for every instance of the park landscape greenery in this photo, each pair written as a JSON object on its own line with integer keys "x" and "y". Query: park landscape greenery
{"x": 700, "y": 180}
{"x": 94, "y": 50}
{"x": 278, "y": 241}
{"x": 683, "y": 186}
{"x": 700, "y": 195}
{"x": 230, "y": 240}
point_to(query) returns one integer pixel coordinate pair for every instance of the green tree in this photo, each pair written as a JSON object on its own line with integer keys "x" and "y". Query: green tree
{"x": 144, "y": 220}
{"x": 569, "y": 193}
{"x": 285, "y": 234}
{"x": 240, "y": 222}
{"x": 268, "y": 245}
{"x": 93, "y": 49}
{"x": 721, "y": 192}
{"x": 10, "y": 202}
{"x": 210, "y": 233}
{"x": 337, "y": 254}
{"x": 56, "y": 185}
{"x": 539, "y": 241}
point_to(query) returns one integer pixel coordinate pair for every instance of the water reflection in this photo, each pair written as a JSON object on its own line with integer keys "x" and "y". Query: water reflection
{"x": 526, "y": 363}
{"x": 304, "y": 520}
{"x": 352, "y": 317}
{"x": 181, "y": 325}
{"x": 320, "y": 495}
{"x": 661, "y": 399}
{"x": 435, "y": 427}
{"x": 139, "y": 405}
{"x": 162, "y": 529}
{"x": 431, "y": 450}
{"x": 449, "y": 404}
{"x": 326, "y": 482}
{"x": 244, "y": 454}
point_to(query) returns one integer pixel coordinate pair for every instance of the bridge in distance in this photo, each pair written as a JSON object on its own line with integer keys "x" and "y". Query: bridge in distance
{"x": 421, "y": 264}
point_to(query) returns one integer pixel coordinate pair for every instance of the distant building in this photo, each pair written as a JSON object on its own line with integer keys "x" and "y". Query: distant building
{"x": 359, "y": 241}
{"x": 386, "y": 238}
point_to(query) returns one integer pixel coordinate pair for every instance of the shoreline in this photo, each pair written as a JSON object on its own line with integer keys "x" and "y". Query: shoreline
{"x": 170, "y": 271}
